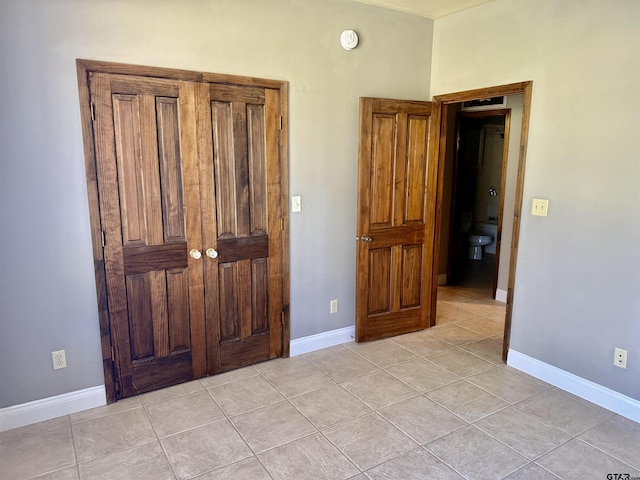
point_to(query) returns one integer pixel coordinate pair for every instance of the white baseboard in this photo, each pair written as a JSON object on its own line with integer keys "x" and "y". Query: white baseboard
{"x": 321, "y": 340}
{"x": 52, "y": 407}
{"x": 501, "y": 295}
{"x": 593, "y": 392}
{"x": 442, "y": 279}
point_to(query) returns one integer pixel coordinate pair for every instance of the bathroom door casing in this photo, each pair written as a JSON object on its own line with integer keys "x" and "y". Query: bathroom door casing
{"x": 396, "y": 196}
{"x": 189, "y": 189}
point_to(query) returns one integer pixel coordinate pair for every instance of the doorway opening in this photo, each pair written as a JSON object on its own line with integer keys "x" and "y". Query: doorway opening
{"x": 455, "y": 212}
{"x": 475, "y": 184}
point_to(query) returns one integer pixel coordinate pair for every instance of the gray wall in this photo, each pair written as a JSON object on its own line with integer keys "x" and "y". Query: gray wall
{"x": 47, "y": 289}
{"x": 578, "y": 274}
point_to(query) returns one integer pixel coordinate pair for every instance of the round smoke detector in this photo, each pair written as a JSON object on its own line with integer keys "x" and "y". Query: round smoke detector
{"x": 349, "y": 39}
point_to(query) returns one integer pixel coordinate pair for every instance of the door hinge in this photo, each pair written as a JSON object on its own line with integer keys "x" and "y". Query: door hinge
{"x": 113, "y": 354}
{"x": 116, "y": 387}
{"x": 282, "y": 223}
{"x": 93, "y": 115}
{"x": 103, "y": 241}
{"x": 280, "y": 122}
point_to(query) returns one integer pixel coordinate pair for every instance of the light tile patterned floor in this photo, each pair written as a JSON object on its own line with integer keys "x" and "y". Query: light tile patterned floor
{"x": 438, "y": 404}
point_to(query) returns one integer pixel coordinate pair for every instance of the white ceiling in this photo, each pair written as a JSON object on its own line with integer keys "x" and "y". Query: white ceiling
{"x": 426, "y": 8}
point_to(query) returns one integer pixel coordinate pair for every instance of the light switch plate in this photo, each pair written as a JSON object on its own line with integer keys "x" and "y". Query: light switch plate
{"x": 296, "y": 203}
{"x": 539, "y": 207}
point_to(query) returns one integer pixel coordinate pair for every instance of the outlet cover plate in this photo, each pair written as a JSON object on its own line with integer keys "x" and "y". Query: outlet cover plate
{"x": 59, "y": 359}
{"x": 539, "y": 207}
{"x": 333, "y": 306}
{"x": 620, "y": 357}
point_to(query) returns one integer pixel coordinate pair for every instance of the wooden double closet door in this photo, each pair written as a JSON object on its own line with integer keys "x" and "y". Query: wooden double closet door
{"x": 189, "y": 179}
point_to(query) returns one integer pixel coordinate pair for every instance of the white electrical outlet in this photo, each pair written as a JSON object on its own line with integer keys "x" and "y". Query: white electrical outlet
{"x": 620, "y": 357}
{"x": 59, "y": 359}
{"x": 334, "y": 306}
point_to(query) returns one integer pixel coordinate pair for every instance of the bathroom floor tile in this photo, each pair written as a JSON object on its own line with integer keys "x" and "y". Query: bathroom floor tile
{"x": 24, "y": 454}
{"x": 422, "y": 343}
{"x": 325, "y": 352}
{"x": 564, "y": 411}
{"x": 291, "y": 377}
{"x": 329, "y": 406}
{"x": 421, "y": 418}
{"x": 422, "y": 375}
{"x": 344, "y": 365}
{"x": 484, "y": 306}
{"x": 70, "y": 473}
{"x": 578, "y": 460}
{"x": 312, "y": 458}
{"x": 228, "y": 377}
{"x": 449, "y": 293}
{"x": 171, "y": 392}
{"x": 379, "y": 389}
{"x": 147, "y": 461}
{"x": 466, "y": 400}
{"x": 532, "y": 471}
{"x": 245, "y": 394}
{"x": 417, "y": 464}
{"x": 487, "y": 349}
{"x": 460, "y": 362}
{"x": 117, "y": 407}
{"x": 475, "y": 454}
{"x": 272, "y": 426}
{"x": 204, "y": 448}
{"x": 369, "y": 440}
{"x": 249, "y": 469}
{"x": 455, "y": 335}
{"x": 484, "y": 326}
{"x": 113, "y": 433}
{"x": 532, "y": 438}
{"x": 16, "y": 434}
{"x": 618, "y": 436}
{"x": 183, "y": 413}
{"x": 509, "y": 384}
{"x": 383, "y": 353}
{"x": 448, "y": 312}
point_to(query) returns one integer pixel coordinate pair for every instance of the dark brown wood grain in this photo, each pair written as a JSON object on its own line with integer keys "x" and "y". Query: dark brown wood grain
{"x": 144, "y": 258}
{"x": 108, "y": 366}
{"x": 234, "y": 249}
{"x": 393, "y": 171}
{"x": 234, "y": 93}
{"x": 158, "y": 156}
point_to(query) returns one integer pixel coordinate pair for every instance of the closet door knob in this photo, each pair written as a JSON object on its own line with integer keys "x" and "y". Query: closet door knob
{"x": 211, "y": 253}
{"x": 195, "y": 253}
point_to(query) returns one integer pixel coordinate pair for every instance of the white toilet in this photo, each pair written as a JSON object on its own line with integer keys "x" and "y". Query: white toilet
{"x": 476, "y": 240}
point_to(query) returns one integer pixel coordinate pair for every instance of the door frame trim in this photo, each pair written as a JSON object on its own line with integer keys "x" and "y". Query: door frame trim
{"x": 441, "y": 103}
{"x": 86, "y": 67}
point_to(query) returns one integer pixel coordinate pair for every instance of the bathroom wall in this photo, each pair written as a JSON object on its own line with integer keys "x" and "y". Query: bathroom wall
{"x": 487, "y": 206}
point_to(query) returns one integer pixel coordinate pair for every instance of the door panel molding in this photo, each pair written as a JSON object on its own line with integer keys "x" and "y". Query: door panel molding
{"x": 163, "y": 265}
{"x": 395, "y": 215}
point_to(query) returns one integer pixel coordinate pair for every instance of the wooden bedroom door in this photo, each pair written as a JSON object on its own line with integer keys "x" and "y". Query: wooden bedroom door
{"x": 395, "y": 218}
{"x": 189, "y": 186}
